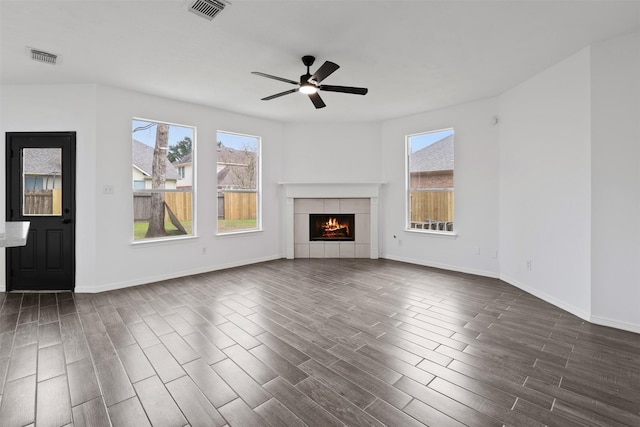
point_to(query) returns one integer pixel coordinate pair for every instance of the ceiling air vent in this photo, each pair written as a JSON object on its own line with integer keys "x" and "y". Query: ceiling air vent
{"x": 206, "y": 8}
{"x": 40, "y": 56}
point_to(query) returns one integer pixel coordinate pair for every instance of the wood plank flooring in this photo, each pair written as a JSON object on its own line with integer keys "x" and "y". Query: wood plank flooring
{"x": 312, "y": 342}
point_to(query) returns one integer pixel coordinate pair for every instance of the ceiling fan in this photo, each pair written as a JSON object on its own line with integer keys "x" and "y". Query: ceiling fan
{"x": 309, "y": 84}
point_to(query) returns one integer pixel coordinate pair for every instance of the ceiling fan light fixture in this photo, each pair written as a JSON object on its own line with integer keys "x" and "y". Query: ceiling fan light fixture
{"x": 309, "y": 84}
{"x": 308, "y": 89}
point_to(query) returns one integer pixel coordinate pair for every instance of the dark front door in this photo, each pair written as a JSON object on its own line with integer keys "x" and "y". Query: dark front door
{"x": 41, "y": 190}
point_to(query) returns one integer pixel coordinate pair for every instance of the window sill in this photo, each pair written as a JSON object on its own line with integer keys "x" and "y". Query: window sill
{"x": 239, "y": 233}
{"x": 163, "y": 240}
{"x": 444, "y": 234}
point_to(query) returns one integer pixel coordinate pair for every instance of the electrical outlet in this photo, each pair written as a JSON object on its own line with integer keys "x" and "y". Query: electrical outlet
{"x": 529, "y": 264}
{"x": 204, "y": 250}
{"x": 107, "y": 189}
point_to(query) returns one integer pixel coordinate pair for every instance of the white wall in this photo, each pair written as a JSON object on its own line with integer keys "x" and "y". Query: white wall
{"x": 545, "y": 204}
{"x": 59, "y": 108}
{"x": 347, "y": 152}
{"x": 106, "y": 259}
{"x": 615, "y": 148}
{"x": 475, "y": 247}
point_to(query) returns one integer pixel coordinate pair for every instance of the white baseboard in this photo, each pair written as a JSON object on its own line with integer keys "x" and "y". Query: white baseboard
{"x": 173, "y": 275}
{"x": 584, "y": 315}
{"x": 548, "y": 298}
{"x": 612, "y": 323}
{"x": 448, "y": 267}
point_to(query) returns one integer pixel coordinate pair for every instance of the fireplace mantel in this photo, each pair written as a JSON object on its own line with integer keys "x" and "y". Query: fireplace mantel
{"x": 331, "y": 189}
{"x": 328, "y": 190}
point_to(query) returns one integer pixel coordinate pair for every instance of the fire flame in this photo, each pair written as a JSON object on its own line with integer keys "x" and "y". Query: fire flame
{"x": 332, "y": 225}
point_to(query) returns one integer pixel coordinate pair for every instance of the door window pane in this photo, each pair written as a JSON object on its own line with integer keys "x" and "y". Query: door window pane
{"x": 41, "y": 181}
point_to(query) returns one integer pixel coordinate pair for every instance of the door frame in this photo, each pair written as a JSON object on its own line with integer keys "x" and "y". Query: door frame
{"x": 13, "y": 194}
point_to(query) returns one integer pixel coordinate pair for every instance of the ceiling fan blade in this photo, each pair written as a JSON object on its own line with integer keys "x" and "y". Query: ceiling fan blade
{"x": 277, "y": 95}
{"x": 324, "y": 71}
{"x": 317, "y": 101}
{"x": 345, "y": 89}
{"x": 269, "y": 76}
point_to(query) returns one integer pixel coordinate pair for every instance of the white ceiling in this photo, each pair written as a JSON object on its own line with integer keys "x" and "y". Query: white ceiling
{"x": 412, "y": 55}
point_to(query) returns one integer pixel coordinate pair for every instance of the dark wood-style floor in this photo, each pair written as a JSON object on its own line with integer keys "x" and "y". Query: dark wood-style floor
{"x": 316, "y": 342}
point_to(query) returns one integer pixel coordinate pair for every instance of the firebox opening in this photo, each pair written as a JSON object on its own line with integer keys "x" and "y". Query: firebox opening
{"x": 339, "y": 227}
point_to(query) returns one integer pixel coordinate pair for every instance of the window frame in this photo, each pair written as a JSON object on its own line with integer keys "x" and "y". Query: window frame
{"x": 407, "y": 205}
{"x": 258, "y": 228}
{"x": 170, "y": 238}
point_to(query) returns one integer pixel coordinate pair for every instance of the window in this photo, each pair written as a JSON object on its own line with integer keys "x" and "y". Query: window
{"x": 238, "y": 183}
{"x": 161, "y": 207}
{"x": 33, "y": 182}
{"x": 430, "y": 181}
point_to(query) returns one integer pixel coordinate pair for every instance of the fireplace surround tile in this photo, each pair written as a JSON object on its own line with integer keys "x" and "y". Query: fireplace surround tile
{"x": 363, "y": 250}
{"x": 332, "y": 249}
{"x": 304, "y": 248}
{"x": 316, "y": 250}
{"x": 358, "y": 198}
{"x": 301, "y": 228}
{"x": 332, "y": 206}
{"x": 307, "y": 206}
{"x": 301, "y": 250}
{"x": 357, "y": 206}
{"x": 348, "y": 250}
{"x": 363, "y": 223}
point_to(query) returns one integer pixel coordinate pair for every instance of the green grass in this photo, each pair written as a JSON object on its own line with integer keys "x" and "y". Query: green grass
{"x": 226, "y": 225}
{"x": 140, "y": 229}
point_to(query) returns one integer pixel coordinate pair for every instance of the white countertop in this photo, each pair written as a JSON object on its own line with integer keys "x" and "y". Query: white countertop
{"x": 15, "y": 234}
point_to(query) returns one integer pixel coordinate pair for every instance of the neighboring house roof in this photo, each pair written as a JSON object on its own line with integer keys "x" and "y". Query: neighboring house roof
{"x": 231, "y": 155}
{"x": 41, "y": 161}
{"x": 235, "y": 173}
{"x": 143, "y": 160}
{"x": 187, "y": 159}
{"x": 435, "y": 157}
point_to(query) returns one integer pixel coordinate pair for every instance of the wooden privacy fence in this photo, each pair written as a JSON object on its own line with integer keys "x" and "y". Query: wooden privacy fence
{"x": 430, "y": 205}
{"x": 179, "y": 203}
{"x": 42, "y": 202}
{"x": 236, "y": 205}
{"x": 240, "y": 204}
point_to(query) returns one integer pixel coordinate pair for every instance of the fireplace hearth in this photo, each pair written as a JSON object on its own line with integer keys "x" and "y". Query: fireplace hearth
{"x": 332, "y": 227}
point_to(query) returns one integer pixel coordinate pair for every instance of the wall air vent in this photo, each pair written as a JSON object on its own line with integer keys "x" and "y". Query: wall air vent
{"x": 40, "y": 56}
{"x": 206, "y": 8}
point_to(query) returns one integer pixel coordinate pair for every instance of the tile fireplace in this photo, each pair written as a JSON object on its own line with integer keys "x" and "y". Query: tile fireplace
{"x": 334, "y": 201}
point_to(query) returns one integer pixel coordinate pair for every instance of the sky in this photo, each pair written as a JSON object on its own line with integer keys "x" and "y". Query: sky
{"x": 177, "y": 134}
{"x": 237, "y": 141}
{"x": 419, "y": 141}
{"x": 148, "y": 136}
